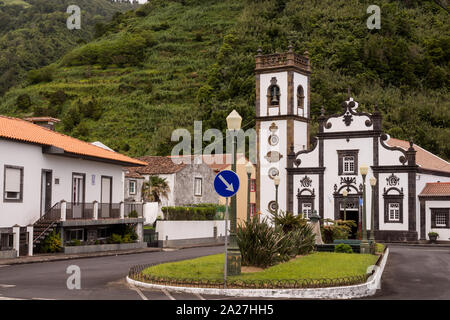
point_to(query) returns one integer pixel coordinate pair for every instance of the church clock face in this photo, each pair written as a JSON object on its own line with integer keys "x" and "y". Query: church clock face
{"x": 273, "y": 139}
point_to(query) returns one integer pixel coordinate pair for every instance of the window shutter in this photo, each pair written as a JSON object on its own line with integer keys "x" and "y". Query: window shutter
{"x": 12, "y": 180}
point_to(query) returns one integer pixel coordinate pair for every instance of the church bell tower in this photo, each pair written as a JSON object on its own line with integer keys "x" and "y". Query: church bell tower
{"x": 282, "y": 121}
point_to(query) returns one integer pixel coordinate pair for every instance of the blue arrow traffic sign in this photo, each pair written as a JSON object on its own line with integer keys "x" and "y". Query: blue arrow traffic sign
{"x": 226, "y": 183}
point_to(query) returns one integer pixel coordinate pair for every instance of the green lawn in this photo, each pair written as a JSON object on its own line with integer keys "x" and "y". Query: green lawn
{"x": 313, "y": 266}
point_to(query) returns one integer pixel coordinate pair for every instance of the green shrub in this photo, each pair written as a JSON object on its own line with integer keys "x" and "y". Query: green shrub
{"x": 133, "y": 214}
{"x": 40, "y": 75}
{"x": 303, "y": 239}
{"x": 288, "y": 221}
{"x": 23, "y": 102}
{"x": 115, "y": 238}
{"x": 343, "y": 248}
{"x": 334, "y": 230}
{"x": 262, "y": 245}
{"x": 189, "y": 213}
{"x": 74, "y": 243}
{"x": 52, "y": 243}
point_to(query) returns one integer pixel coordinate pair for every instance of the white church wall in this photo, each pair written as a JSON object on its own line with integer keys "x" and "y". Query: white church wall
{"x": 314, "y": 185}
{"x": 388, "y": 157}
{"x": 358, "y": 123}
{"x": 267, "y": 190}
{"x": 402, "y": 183}
{"x": 300, "y": 136}
{"x": 300, "y": 79}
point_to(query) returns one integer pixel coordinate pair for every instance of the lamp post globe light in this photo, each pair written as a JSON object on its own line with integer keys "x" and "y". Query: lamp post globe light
{"x": 276, "y": 181}
{"x": 364, "y": 169}
{"x": 373, "y": 183}
{"x": 234, "y": 121}
{"x": 249, "y": 169}
{"x": 345, "y": 194}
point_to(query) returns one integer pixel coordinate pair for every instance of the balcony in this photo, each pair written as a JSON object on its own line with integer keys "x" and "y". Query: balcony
{"x": 69, "y": 214}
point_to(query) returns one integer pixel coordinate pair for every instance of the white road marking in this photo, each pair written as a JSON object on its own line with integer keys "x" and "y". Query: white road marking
{"x": 7, "y": 285}
{"x": 168, "y": 294}
{"x": 199, "y": 296}
{"x": 4, "y": 265}
{"x": 139, "y": 292}
{"x": 41, "y": 299}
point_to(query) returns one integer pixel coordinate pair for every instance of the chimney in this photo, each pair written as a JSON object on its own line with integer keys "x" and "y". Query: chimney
{"x": 46, "y": 122}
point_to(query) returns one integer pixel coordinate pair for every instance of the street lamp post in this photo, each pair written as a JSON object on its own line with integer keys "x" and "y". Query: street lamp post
{"x": 373, "y": 183}
{"x": 249, "y": 169}
{"x": 345, "y": 193}
{"x": 234, "y": 121}
{"x": 276, "y": 181}
{"x": 364, "y": 169}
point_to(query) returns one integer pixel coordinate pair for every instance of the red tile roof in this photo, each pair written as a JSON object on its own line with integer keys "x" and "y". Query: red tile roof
{"x": 24, "y": 131}
{"x": 424, "y": 158}
{"x": 436, "y": 189}
{"x": 159, "y": 165}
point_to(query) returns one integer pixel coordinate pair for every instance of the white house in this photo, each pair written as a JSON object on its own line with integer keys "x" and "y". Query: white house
{"x": 51, "y": 181}
{"x": 315, "y": 179}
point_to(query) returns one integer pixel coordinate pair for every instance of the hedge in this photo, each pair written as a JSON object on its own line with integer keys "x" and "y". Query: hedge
{"x": 190, "y": 213}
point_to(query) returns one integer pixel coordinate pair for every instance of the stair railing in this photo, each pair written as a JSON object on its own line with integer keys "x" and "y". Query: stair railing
{"x": 49, "y": 215}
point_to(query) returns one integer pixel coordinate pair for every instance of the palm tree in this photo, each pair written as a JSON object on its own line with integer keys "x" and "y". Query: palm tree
{"x": 155, "y": 189}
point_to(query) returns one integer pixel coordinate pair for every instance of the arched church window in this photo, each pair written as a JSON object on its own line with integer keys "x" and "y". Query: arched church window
{"x": 300, "y": 99}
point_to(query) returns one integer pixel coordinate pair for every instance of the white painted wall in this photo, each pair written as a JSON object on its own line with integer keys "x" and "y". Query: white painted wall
{"x": 267, "y": 190}
{"x": 300, "y": 79}
{"x": 33, "y": 160}
{"x": 358, "y": 123}
{"x": 176, "y": 230}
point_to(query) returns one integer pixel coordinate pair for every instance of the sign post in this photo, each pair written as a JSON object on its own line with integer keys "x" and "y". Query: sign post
{"x": 226, "y": 185}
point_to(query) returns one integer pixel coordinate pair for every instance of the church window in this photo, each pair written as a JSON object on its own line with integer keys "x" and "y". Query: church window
{"x": 306, "y": 210}
{"x": 300, "y": 101}
{"x": 348, "y": 162}
{"x": 394, "y": 211}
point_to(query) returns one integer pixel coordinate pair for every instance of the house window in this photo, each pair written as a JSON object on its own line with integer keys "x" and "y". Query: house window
{"x": 347, "y": 162}
{"x": 132, "y": 187}
{"x": 394, "y": 211}
{"x": 349, "y": 165}
{"x": 6, "y": 241}
{"x": 13, "y": 184}
{"x": 252, "y": 185}
{"x": 198, "y": 186}
{"x": 103, "y": 233}
{"x": 440, "y": 218}
{"x": 75, "y": 234}
{"x": 306, "y": 210}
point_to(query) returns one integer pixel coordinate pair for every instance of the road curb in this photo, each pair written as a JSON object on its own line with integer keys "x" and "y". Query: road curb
{"x": 18, "y": 261}
{"x": 366, "y": 289}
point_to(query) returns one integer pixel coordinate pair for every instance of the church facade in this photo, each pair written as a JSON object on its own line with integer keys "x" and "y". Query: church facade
{"x": 412, "y": 193}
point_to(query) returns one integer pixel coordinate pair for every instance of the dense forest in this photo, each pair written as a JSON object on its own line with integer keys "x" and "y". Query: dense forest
{"x": 169, "y": 63}
{"x": 33, "y": 33}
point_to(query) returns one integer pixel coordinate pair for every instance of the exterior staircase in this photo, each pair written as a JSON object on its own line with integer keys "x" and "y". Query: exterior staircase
{"x": 45, "y": 225}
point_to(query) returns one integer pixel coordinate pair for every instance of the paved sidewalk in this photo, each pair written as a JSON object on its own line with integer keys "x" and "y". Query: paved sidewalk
{"x": 424, "y": 245}
{"x": 61, "y": 256}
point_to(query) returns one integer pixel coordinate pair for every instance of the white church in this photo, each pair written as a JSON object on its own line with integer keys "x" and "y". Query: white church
{"x": 412, "y": 188}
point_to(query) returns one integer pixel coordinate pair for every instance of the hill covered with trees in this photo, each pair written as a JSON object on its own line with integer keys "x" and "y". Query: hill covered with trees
{"x": 33, "y": 33}
{"x": 169, "y": 63}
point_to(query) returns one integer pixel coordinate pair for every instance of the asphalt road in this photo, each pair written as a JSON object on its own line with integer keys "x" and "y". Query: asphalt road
{"x": 416, "y": 273}
{"x": 410, "y": 273}
{"x": 102, "y": 278}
